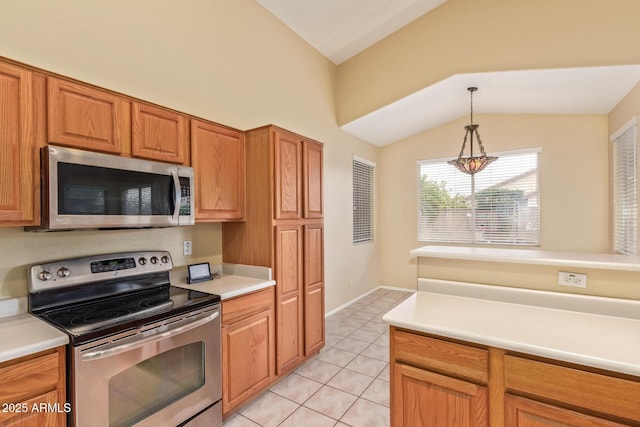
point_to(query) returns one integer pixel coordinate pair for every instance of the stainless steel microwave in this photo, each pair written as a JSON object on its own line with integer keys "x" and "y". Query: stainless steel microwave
{"x": 83, "y": 189}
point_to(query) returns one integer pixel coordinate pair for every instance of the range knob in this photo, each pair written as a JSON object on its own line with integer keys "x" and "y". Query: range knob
{"x": 142, "y": 261}
{"x": 44, "y": 275}
{"x": 164, "y": 259}
{"x": 154, "y": 260}
{"x": 63, "y": 272}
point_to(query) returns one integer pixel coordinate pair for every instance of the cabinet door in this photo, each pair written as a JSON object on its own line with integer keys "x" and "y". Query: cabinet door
{"x": 44, "y": 410}
{"x": 313, "y": 288}
{"x": 425, "y": 399}
{"x": 158, "y": 134}
{"x": 313, "y": 179}
{"x": 288, "y": 176}
{"x": 289, "y": 309}
{"x": 521, "y": 412}
{"x": 247, "y": 357}
{"x": 84, "y": 117}
{"x": 217, "y": 155}
{"x": 17, "y": 146}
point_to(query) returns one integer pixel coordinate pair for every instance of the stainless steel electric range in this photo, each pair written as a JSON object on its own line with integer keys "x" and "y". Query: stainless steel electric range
{"x": 142, "y": 352}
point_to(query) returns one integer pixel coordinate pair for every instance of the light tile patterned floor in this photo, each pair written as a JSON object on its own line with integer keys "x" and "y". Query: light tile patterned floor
{"x": 347, "y": 384}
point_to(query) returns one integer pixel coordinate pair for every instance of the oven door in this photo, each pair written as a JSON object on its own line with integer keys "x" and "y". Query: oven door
{"x": 159, "y": 375}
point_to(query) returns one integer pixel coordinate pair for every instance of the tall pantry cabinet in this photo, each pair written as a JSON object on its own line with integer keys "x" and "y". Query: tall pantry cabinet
{"x": 284, "y": 230}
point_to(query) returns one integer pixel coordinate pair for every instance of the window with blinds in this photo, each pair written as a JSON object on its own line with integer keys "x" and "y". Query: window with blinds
{"x": 363, "y": 196}
{"x": 500, "y": 205}
{"x": 625, "y": 203}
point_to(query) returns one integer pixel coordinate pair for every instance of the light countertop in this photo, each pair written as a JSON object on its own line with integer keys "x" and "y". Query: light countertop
{"x": 235, "y": 280}
{"x": 22, "y": 334}
{"x": 591, "y": 331}
{"x": 531, "y": 256}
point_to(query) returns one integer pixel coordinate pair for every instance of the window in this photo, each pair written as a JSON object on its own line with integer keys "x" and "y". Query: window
{"x": 500, "y": 205}
{"x": 625, "y": 203}
{"x": 363, "y": 174}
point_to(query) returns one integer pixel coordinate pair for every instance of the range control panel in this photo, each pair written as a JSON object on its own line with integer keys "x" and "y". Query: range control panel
{"x": 70, "y": 272}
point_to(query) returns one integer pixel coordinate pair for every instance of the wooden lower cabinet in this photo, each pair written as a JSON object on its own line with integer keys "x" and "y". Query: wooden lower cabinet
{"x": 437, "y": 381}
{"x": 424, "y": 398}
{"x": 313, "y": 288}
{"x": 289, "y": 297}
{"x": 32, "y": 390}
{"x": 248, "y": 344}
{"x": 522, "y": 412}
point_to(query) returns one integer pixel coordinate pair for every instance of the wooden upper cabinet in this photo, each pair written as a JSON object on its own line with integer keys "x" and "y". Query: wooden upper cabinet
{"x": 288, "y": 175}
{"x": 218, "y": 160}
{"x": 17, "y": 146}
{"x": 83, "y": 117}
{"x": 313, "y": 179}
{"x": 158, "y": 134}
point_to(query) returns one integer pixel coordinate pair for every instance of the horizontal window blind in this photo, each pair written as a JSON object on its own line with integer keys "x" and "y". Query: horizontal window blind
{"x": 363, "y": 196}
{"x": 625, "y": 203}
{"x": 500, "y": 205}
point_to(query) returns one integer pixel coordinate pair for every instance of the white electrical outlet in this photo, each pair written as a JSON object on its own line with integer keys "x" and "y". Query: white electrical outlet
{"x": 572, "y": 279}
{"x": 186, "y": 247}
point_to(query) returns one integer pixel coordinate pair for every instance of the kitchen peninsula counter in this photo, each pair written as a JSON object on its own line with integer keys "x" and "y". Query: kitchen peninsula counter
{"x": 597, "y": 332}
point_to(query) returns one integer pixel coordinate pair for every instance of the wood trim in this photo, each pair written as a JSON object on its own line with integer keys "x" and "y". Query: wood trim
{"x": 496, "y": 387}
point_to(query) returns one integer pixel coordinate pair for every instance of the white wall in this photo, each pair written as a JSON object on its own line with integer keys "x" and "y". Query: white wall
{"x": 231, "y": 62}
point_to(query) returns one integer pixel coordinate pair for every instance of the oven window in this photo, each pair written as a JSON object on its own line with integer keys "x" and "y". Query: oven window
{"x": 155, "y": 383}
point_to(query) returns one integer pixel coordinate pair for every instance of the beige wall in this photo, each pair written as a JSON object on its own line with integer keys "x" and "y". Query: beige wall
{"x": 471, "y": 36}
{"x": 574, "y": 204}
{"x": 227, "y": 61}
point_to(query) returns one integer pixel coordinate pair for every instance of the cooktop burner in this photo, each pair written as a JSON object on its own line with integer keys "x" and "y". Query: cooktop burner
{"x": 89, "y": 303}
{"x": 91, "y": 320}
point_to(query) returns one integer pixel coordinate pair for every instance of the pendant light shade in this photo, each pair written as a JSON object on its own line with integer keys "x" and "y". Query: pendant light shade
{"x": 472, "y": 164}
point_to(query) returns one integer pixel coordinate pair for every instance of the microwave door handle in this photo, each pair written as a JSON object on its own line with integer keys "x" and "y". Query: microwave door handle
{"x": 177, "y": 194}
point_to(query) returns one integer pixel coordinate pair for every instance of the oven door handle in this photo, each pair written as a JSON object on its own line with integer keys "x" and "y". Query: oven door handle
{"x": 112, "y": 349}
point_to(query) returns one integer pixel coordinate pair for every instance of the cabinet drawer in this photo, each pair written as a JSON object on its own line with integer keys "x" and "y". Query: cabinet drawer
{"x": 26, "y": 379}
{"x": 572, "y": 386}
{"x": 458, "y": 360}
{"x": 242, "y": 306}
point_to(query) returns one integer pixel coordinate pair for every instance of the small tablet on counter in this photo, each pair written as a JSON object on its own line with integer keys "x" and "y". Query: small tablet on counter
{"x": 199, "y": 273}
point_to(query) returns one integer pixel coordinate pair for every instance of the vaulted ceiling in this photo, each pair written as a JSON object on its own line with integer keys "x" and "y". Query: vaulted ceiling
{"x": 341, "y": 29}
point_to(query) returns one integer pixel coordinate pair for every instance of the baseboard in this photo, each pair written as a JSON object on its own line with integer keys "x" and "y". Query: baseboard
{"x": 346, "y": 304}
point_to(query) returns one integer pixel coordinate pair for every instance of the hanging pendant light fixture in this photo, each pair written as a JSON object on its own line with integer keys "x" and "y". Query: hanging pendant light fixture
{"x": 472, "y": 164}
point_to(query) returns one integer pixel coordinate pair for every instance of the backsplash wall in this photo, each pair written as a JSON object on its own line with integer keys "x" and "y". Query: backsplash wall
{"x": 20, "y": 249}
